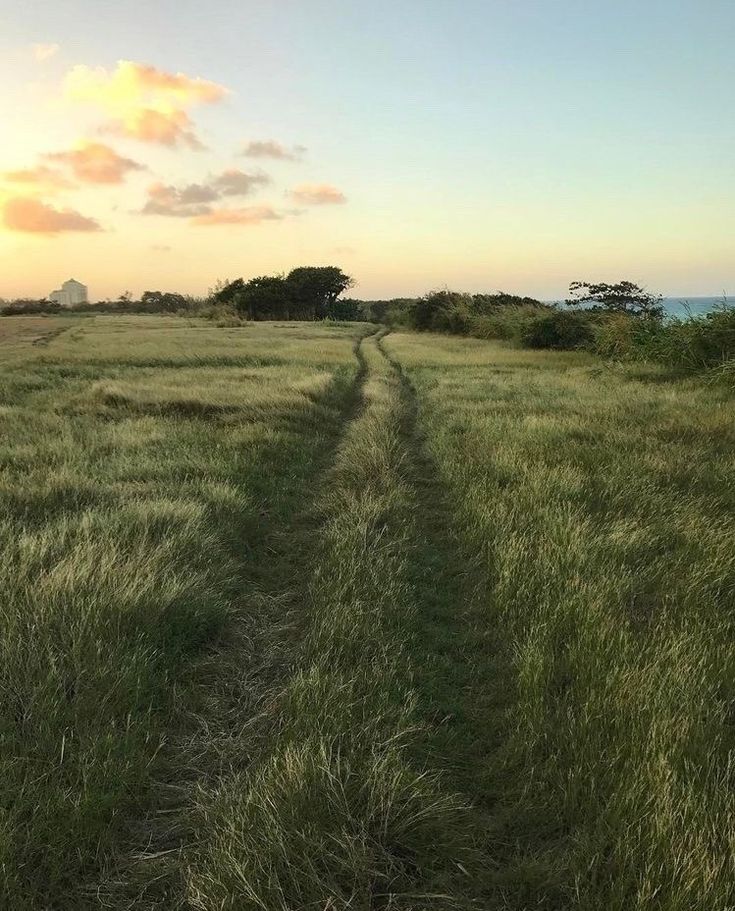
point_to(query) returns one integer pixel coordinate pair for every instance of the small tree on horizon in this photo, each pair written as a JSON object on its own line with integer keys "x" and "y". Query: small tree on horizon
{"x": 623, "y": 297}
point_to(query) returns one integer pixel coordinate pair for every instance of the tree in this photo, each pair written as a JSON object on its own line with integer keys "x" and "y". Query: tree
{"x": 624, "y": 297}
{"x": 264, "y": 297}
{"x": 163, "y": 301}
{"x": 312, "y": 289}
{"x": 226, "y": 292}
{"x": 346, "y": 309}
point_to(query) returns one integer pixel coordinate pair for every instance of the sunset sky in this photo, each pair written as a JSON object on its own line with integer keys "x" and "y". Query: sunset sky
{"x": 480, "y": 144}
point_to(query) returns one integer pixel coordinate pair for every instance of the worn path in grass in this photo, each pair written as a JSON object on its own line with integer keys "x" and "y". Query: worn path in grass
{"x": 461, "y": 681}
{"x": 149, "y": 505}
{"x": 229, "y": 711}
{"x": 363, "y": 790}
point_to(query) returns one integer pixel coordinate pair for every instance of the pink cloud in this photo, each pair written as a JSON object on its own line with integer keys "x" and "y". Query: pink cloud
{"x": 320, "y": 194}
{"x": 195, "y": 199}
{"x": 31, "y": 216}
{"x": 40, "y": 178}
{"x": 250, "y": 215}
{"x": 95, "y": 162}
{"x": 168, "y": 128}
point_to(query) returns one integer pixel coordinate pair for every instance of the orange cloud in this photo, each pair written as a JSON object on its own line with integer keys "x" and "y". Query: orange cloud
{"x": 250, "y": 215}
{"x": 144, "y": 102}
{"x": 44, "y": 51}
{"x": 39, "y": 179}
{"x": 269, "y": 148}
{"x": 94, "y": 162}
{"x": 168, "y": 128}
{"x": 317, "y": 194}
{"x": 32, "y": 216}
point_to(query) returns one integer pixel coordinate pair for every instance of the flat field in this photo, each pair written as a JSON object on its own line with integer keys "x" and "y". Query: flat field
{"x": 315, "y": 616}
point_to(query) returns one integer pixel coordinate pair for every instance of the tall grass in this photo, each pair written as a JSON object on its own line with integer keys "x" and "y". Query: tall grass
{"x": 337, "y": 813}
{"x": 596, "y": 511}
{"x": 133, "y": 492}
{"x": 444, "y": 624}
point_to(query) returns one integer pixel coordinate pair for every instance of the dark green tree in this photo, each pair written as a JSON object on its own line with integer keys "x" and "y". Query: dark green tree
{"x": 264, "y": 297}
{"x": 346, "y": 309}
{"x": 227, "y": 292}
{"x": 163, "y": 301}
{"x": 313, "y": 289}
{"x": 623, "y": 297}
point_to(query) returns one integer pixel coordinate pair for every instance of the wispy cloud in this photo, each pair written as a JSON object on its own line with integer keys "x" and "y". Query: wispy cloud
{"x": 269, "y": 148}
{"x": 32, "y": 216}
{"x": 317, "y": 194}
{"x": 179, "y": 202}
{"x": 40, "y": 179}
{"x": 44, "y": 51}
{"x": 233, "y": 182}
{"x": 95, "y": 162}
{"x": 195, "y": 199}
{"x": 249, "y": 215}
{"x": 143, "y": 102}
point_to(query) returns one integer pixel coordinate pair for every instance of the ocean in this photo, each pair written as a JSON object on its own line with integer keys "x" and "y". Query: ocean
{"x": 681, "y": 307}
{"x": 684, "y": 306}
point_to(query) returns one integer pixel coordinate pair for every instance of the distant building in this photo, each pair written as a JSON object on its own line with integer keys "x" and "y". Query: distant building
{"x": 71, "y": 292}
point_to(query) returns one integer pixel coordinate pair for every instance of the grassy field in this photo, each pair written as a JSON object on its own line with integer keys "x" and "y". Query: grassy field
{"x": 314, "y": 616}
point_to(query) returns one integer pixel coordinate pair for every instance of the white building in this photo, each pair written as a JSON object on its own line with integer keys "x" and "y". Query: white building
{"x": 71, "y": 292}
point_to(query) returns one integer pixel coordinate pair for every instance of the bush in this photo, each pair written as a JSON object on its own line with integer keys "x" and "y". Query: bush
{"x": 700, "y": 342}
{"x": 694, "y": 344}
{"x": 507, "y": 323}
{"x": 27, "y": 307}
{"x": 561, "y": 329}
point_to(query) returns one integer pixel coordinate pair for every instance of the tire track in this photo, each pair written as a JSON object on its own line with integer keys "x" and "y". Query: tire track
{"x": 455, "y": 667}
{"x": 230, "y": 711}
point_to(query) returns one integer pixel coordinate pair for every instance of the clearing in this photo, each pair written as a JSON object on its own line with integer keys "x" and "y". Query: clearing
{"x": 318, "y": 616}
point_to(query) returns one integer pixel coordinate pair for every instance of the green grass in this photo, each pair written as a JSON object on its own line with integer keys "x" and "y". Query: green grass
{"x": 297, "y": 618}
{"x": 135, "y": 500}
{"x": 593, "y": 509}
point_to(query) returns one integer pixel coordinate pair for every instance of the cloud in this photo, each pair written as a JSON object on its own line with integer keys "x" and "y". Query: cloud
{"x": 143, "y": 102}
{"x": 269, "y": 148}
{"x": 195, "y": 199}
{"x": 179, "y": 202}
{"x": 44, "y": 51}
{"x": 168, "y": 128}
{"x": 237, "y": 183}
{"x": 40, "y": 179}
{"x": 95, "y": 162}
{"x": 317, "y": 194}
{"x": 250, "y": 215}
{"x": 32, "y": 216}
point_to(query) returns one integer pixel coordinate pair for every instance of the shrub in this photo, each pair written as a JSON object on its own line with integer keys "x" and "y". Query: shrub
{"x": 700, "y": 342}
{"x": 507, "y": 323}
{"x": 560, "y": 329}
{"x": 697, "y": 343}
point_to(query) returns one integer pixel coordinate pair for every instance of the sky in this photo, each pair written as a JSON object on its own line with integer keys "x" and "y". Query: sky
{"x": 477, "y": 144}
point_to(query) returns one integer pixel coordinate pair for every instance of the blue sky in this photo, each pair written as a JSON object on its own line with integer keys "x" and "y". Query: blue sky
{"x": 516, "y": 145}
